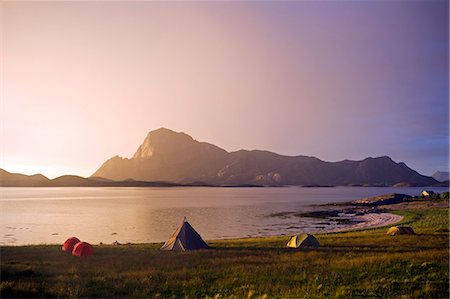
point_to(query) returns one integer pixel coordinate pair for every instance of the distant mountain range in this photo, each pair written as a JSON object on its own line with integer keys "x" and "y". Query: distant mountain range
{"x": 8, "y": 179}
{"x": 441, "y": 176}
{"x": 169, "y": 156}
{"x": 21, "y": 180}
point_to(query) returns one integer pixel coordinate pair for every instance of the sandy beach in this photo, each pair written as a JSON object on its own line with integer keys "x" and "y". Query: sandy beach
{"x": 371, "y": 220}
{"x": 382, "y": 217}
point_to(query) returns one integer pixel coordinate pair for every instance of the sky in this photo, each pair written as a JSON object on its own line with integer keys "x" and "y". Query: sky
{"x": 84, "y": 81}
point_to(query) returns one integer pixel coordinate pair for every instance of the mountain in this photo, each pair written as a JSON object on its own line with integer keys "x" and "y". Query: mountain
{"x": 441, "y": 176}
{"x": 166, "y": 155}
{"x": 8, "y": 179}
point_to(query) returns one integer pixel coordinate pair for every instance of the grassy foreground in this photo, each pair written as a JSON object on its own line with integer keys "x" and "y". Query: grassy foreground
{"x": 352, "y": 264}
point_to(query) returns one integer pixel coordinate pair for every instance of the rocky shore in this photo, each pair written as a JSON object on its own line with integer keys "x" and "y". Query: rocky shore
{"x": 369, "y": 212}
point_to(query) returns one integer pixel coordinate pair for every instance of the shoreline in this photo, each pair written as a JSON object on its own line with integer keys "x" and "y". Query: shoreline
{"x": 360, "y": 222}
{"x": 350, "y": 216}
{"x": 369, "y": 221}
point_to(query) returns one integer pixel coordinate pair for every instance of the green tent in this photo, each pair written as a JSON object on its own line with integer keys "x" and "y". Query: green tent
{"x": 303, "y": 240}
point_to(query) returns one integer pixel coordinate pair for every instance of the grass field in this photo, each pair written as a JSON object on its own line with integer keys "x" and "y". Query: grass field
{"x": 363, "y": 263}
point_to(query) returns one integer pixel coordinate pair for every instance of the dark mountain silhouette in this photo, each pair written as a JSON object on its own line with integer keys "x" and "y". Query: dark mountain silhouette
{"x": 176, "y": 157}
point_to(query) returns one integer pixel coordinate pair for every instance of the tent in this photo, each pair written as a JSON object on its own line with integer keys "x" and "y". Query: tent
{"x": 69, "y": 244}
{"x": 185, "y": 238}
{"x": 303, "y": 240}
{"x": 83, "y": 249}
{"x": 400, "y": 230}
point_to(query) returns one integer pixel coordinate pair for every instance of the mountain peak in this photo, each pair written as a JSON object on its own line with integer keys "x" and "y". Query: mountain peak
{"x": 162, "y": 140}
{"x": 381, "y": 158}
{"x": 167, "y": 133}
{"x": 162, "y": 130}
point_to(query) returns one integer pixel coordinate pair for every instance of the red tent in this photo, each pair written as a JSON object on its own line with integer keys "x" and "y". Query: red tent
{"x": 69, "y": 244}
{"x": 83, "y": 249}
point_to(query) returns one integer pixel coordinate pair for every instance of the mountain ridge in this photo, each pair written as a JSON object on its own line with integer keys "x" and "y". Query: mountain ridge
{"x": 8, "y": 179}
{"x": 19, "y": 180}
{"x": 166, "y": 155}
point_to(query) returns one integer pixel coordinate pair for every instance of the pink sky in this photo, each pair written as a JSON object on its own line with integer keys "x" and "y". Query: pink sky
{"x": 81, "y": 82}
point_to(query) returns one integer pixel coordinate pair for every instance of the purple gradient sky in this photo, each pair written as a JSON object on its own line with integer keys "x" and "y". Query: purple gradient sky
{"x": 81, "y": 82}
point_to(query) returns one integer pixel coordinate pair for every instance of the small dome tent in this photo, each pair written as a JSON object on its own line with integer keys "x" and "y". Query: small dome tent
{"x": 302, "y": 240}
{"x": 400, "y": 230}
{"x": 83, "y": 249}
{"x": 69, "y": 244}
{"x": 185, "y": 238}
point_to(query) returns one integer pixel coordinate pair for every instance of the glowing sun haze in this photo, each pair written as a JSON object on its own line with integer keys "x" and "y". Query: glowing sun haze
{"x": 81, "y": 82}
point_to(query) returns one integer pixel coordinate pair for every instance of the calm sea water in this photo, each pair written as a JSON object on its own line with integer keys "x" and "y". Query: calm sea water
{"x": 50, "y": 215}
